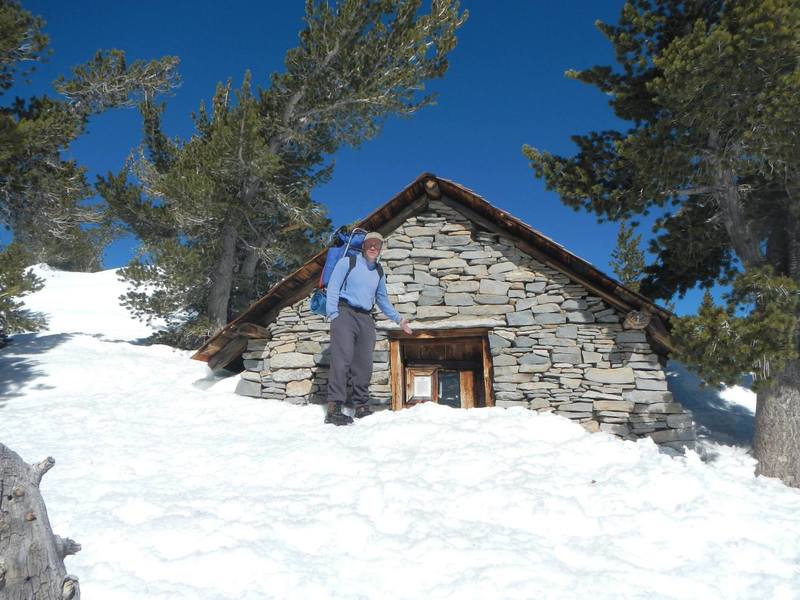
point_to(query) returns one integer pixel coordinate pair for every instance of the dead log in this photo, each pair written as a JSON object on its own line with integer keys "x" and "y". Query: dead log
{"x": 31, "y": 557}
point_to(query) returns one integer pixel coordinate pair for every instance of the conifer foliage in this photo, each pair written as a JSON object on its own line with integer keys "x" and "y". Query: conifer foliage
{"x": 15, "y": 282}
{"x": 627, "y": 259}
{"x": 43, "y": 197}
{"x": 227, "y": 213}
{"x": 711, "y": 89}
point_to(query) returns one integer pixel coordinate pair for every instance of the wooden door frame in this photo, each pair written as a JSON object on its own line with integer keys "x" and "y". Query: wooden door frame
{"x": 397, "y": 368}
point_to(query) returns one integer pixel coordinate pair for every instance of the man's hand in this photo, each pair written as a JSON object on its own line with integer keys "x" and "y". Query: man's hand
{"x": 405, "y": 326}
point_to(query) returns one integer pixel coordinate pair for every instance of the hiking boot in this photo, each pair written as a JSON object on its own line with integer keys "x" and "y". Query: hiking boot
{"x": 362, "y": 410}
{"x": 335, "y": 416}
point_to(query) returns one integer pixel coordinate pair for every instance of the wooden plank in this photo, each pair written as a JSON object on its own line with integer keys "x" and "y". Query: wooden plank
{"x": 396, "y": 374}
{"x": 253, "y": 331}
{"x": 229, "y": 353}
{"x": 487, "y": 373}
{"x": 429, "y": 334}
{"x": 467, "y": 385}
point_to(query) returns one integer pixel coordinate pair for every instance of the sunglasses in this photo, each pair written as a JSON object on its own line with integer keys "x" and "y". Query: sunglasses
{"x": 370, "y": 244}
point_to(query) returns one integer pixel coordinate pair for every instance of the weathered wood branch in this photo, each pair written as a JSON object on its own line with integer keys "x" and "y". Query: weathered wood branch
{"x": 31, "y": 557}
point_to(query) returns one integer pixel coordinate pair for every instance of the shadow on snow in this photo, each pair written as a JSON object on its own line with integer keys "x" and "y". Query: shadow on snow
{"x": 716, "y": 420}
{"x": 18, "y": 364}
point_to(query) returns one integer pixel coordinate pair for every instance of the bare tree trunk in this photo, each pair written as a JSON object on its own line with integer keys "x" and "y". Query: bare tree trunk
{"x": 777, "y": 437}
{"x": 222, "y": 279}
{"x": 31, "y": 557}
{"x": 248, "y": 273}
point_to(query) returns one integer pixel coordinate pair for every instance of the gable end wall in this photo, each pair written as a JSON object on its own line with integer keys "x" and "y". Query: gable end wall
{"x": 555, "y": 346}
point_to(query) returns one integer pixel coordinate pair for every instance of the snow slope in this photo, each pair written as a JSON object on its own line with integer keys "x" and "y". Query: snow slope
{"x": 179, "y": 489}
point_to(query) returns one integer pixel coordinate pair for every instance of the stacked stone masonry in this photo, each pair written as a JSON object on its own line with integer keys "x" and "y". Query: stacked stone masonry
{"x": 555, "y": 346}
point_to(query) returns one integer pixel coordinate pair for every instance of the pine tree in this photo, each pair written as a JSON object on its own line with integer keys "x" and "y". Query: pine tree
{"x": 627, "y": 259}
{"x": 42, "y": 195}
{"x": 711, "y": 89}
{"x": 227, "y": 213}
{"x": 15, "y": 282}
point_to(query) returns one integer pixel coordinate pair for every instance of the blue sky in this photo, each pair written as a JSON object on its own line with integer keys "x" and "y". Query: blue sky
{"x": 505, "y": 87}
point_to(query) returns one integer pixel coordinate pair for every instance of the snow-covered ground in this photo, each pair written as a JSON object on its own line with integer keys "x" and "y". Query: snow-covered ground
{"x": 179, "y": 489}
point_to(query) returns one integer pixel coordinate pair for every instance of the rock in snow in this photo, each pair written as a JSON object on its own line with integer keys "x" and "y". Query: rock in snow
{"x": 177, "y": 488}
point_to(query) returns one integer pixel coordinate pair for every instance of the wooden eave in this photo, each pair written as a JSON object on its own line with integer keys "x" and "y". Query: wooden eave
{"x": 410, "y": 201}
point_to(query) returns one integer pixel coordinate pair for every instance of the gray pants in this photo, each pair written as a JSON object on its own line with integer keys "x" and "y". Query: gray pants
{"x": 352, "y": 344}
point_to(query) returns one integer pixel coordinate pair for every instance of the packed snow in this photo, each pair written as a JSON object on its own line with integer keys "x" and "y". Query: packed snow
{"x": 179, "y": 489}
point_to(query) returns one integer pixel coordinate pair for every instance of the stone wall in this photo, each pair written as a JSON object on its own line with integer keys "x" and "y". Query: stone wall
{"x": 555, "y": 346}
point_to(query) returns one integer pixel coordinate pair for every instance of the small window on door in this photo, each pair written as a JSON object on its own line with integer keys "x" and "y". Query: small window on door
{"x": 449, "y": 388}
{"x": 422, "y": 385}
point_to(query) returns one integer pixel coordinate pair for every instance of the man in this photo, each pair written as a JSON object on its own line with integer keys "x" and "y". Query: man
{"x": 351, "y": 297}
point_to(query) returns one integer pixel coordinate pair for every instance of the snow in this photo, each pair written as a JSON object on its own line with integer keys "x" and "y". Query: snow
{"x": 179, "y": 489}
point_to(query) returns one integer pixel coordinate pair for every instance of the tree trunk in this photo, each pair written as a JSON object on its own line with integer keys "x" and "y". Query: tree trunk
{"x": 777, "y": 437}
{"x": 31, "y": 557}
{"x": 248, "y": 273}
{"x": 222, "y": 279}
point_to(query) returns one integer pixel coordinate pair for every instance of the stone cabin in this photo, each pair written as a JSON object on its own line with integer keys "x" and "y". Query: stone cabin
{"x": 502, "y": 316}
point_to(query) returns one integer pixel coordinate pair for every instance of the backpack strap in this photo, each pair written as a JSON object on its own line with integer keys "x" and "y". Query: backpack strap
{"x": 350, "y": 268}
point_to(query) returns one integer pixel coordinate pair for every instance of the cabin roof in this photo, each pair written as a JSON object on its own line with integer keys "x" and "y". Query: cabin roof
{"x": 412, "y": 199}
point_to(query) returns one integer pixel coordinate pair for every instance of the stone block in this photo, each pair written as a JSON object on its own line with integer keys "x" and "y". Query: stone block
{"x": 573, "y": 358}
{"x": 291, "y": 374}
{"x": 576, "y": 407}
{"x": 395, "y": 254}
{"x": 615, "y": 428}
{"x": 494, "y": 287}
{"x": 291, "y": 360}
{"x": 615, "y": 405}
{"x": 536, "y": 287}
{"x": 524, "y": 341}
{"x": 591, "y": 426}
{"x": 535, "y": 368}
{"x": 462, "y": 286}
{"x": 651, "y": 384}
{"x": 486, "y": 309}
{"x": 573, "y": 415}
{"x": 504, "y": 360}
{"x": 647, "y": 397}
{"x": 580, "y": 316}
{"x": 550, "y": 318}
{"x": 679, "y": 421}
{"x": 537, "y": 403}
{"x": 443, "y": 241}
{"x": 490, "y": 299}
{"x": 501, "y": 267}
{"x": 567, "y": 332}
{"x": 253, "y": 365}
{"x": 429, "y": 253}
{"x": 631, "y": 335}
{"x": 435, "y": 312}
{"x": 425, "y": 278}
{"x": 448, "y": 263}
{"x": 574, "y": 304}
{"x": 592, "y": 357}
{"x": 495, "y": 342}
{"x": 301, "y": 387}
{"x": 476, "y": 254}
{"x": 619, "y": 375}
{"x": 526, "y": 303}
{"x": 249, "y": 388}
{"x": 545, "y": 308}
{"x": 517, "y": 319}
{"x": 309, "y": 347}
{"x": 520, "y": 276}
{"x": 459, "y": 299}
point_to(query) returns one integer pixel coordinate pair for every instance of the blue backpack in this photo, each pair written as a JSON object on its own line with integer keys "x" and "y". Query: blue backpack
{"x": 344, "y": 243}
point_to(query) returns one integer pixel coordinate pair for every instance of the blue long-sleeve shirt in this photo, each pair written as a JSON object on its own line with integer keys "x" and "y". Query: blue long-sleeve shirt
{"x": 363, "y": 288}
